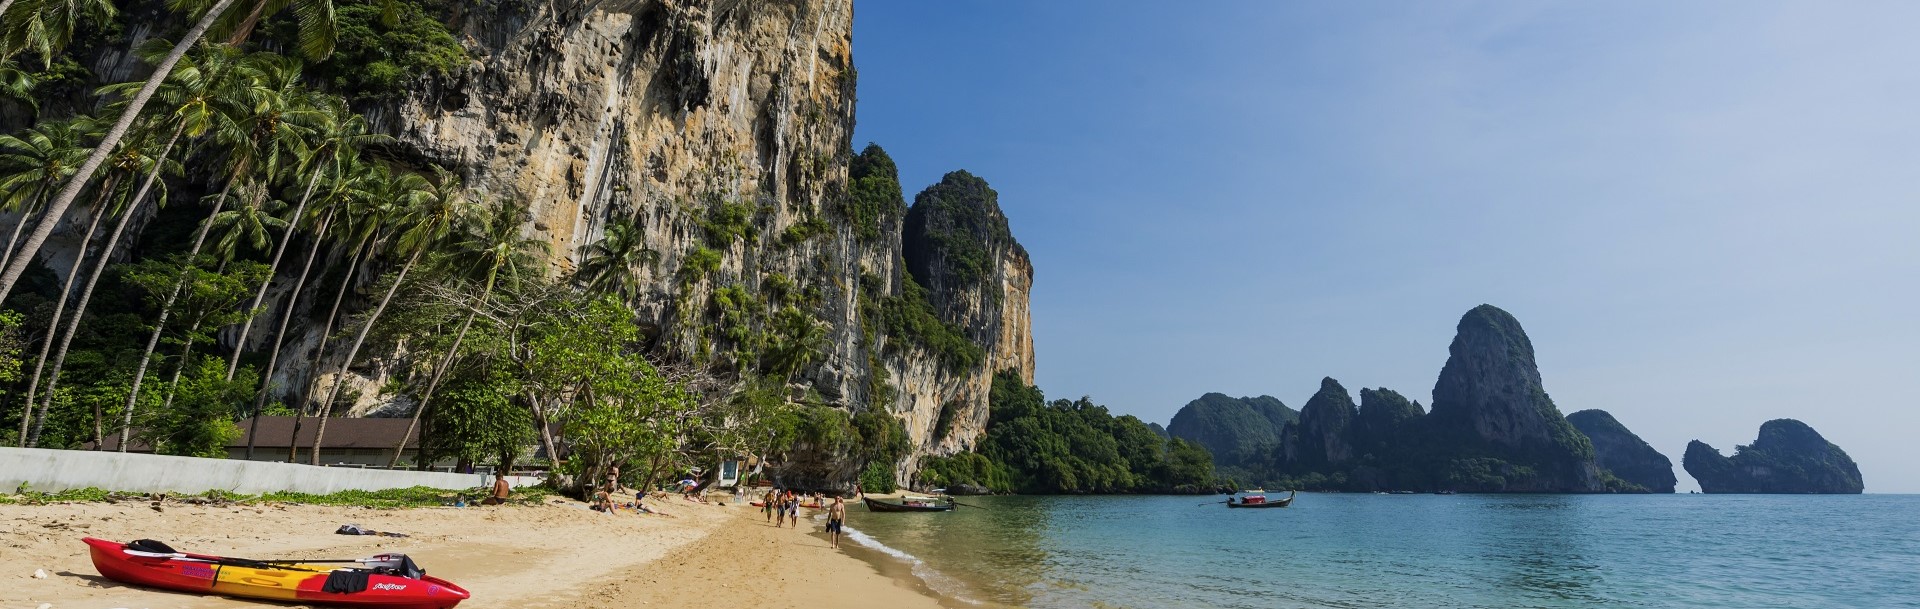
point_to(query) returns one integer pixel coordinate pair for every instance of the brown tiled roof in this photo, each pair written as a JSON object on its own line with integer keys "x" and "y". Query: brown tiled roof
{"x": 342, "y": 432}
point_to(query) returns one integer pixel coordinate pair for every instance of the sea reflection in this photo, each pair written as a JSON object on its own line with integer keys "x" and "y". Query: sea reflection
{"x": 1536, "y": 544}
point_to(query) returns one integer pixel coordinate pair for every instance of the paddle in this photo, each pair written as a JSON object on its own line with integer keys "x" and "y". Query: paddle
{"x": 1214, "y": 502}
{"x": 968, "y": 505}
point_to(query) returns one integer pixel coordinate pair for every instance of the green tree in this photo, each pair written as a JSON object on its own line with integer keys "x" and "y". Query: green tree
{"x": 491, "y": 246}
{"x": 200, "y": 421}
{"x": 614, "y": 263}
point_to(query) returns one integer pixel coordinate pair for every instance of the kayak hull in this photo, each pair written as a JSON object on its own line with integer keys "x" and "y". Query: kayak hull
{"x": 299, "y": 583}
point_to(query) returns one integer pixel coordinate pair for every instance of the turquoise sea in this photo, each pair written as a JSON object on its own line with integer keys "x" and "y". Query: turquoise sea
{"x": 1354, "y": 551}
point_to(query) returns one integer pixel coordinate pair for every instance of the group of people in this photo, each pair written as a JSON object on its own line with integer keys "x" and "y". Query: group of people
{"x": 603, "y": 497}
{"x": 783, "y": 506}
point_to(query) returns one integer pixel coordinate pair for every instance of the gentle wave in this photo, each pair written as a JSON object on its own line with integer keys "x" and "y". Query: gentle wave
{"x": 939, "y": 582}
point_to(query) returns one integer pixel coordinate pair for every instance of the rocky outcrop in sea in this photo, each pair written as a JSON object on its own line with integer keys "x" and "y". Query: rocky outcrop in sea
{"x": 1788, "y": 457}
{"x": 1624, "y": 454}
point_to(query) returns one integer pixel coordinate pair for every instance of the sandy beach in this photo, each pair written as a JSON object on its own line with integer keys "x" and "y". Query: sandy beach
{"x": 553, "y": 555}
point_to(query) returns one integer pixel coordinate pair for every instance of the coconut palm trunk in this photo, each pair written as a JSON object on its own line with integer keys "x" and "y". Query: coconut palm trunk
{"x": 340, "y": 379}
{"x": 100, "y": 268}
{"x": 166, "y": 309}
{"x": 59, "y": 309}
{"x": 25, "y": 216}
{"x": 99, "y": 156}
{"x": 286, "y": 239}
{"x": 286, "y": 318}
{"x": 326, "y": 336}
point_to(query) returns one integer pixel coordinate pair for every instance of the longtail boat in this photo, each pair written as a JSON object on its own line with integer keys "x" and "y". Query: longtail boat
{"x": 1259, "y": 501}
{"x": 386, "y": 581}
{"x": 910, "y": 504}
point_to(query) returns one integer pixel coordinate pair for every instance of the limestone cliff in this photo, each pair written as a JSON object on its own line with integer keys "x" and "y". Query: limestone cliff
{"x": 1788, "y": 457}
{"x": 721, "y": 131}
{"x": 1624, "y": 454}
{"x": 1384, "y": 416}
{"x": 1490, "y": 405}
{"x": 1323, "y": 437}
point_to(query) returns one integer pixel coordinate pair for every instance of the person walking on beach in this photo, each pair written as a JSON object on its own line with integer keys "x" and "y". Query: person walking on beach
{"x": 766, "y": 503}
{"x": 793, "y": 508}
{"x": 836, "y": 518}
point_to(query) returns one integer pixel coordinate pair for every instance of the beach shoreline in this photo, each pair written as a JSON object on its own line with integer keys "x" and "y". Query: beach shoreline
{"x": 558, "y": 554}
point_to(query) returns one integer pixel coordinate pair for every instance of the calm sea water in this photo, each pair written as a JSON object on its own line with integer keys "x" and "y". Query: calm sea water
{"x": 1351, "y": 551}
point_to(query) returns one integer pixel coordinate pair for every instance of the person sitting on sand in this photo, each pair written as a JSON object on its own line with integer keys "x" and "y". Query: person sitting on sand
{"x": 501, "y": 490}
{"x": 602, "y": 502}
{"x": 836, "y": 518}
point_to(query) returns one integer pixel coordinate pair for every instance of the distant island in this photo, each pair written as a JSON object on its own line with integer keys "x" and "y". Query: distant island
{"x": 1789, "y": 457}
{"x": 1492, "y": 429}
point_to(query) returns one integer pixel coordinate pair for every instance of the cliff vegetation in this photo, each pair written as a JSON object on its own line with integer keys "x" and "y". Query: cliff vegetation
{"x": 628, "y": 234}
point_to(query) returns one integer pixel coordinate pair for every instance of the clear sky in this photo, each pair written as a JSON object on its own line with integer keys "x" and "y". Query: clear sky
{"x": 1705, "y": 214}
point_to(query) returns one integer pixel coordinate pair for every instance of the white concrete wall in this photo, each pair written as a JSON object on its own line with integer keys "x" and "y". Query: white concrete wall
{"x": 57, "y": 470}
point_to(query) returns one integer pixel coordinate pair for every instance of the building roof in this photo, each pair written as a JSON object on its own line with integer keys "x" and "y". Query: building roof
{"x": 342, "y": 432}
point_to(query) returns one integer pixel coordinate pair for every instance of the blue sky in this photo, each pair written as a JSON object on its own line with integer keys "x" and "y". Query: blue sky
{"x": 1706, "y": 215}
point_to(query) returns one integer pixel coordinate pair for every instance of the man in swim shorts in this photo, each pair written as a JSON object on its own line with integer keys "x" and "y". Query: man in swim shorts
{"x": 836, "y": 518}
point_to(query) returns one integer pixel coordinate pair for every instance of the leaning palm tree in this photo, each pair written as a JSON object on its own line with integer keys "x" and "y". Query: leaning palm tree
{"x": 370, "y": 196}
{"x": 259, "y": 131}
{"x": 247, "y": 223}
{"x": 490, "y": 245}
{"x": 132, "y": 161}
{"x": 614, "y": 263}
{"x": 428, "y": 216}
{"x": 212, "y": 76}
{"x": 316, "y": 36}
{"x": 337, "y": 134}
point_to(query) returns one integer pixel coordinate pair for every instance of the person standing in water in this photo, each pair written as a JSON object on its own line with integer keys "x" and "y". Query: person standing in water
{"x": 836, "y": 518}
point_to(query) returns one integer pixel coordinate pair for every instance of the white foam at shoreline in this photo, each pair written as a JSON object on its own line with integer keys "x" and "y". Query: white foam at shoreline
{"x": 936, "y": 580}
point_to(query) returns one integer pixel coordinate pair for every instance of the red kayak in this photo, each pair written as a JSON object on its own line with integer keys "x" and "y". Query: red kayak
{"x": 387, "y": 581}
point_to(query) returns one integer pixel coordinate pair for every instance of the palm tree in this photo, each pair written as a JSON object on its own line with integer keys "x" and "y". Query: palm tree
{"x": 260, "y": 131}
{"x": 487, "y": 245}
{"x": 211, "y": 75}
{"x": 372, "y": 196}
{"x": 428, "y": 215}
{"x": 33, "y": 165}
{"x": 18, "y": 84}
{"x": 316, "y": 36}
{"x": 131, "y": 161}
{"x": 336, "y": 136}
{"x": 613, "y": 263}
{"x": 46, "y": 26}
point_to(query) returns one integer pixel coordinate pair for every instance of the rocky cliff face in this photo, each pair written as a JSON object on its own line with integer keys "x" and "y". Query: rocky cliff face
{"x": 720, "y": 129}
{"x": 1624, "y": 454}
{"x": 1323, "y": 436}
{"x": 1489, "y": 400}
{"x": 1789, "y": 457}
{"x": 1384, "y": 415}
